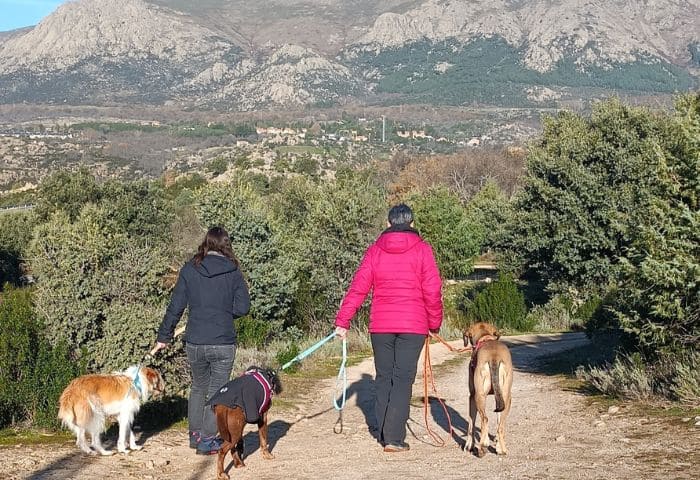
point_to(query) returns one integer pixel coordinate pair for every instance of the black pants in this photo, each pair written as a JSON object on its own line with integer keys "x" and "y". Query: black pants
{"x": 395, "y": 361}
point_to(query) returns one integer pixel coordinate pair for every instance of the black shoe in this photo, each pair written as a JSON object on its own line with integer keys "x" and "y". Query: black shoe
{"x": 395, "y": 447}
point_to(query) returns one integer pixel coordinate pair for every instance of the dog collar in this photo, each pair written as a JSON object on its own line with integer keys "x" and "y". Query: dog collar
{"x": 267, "y": 389}
{"x": 136, "y": 383}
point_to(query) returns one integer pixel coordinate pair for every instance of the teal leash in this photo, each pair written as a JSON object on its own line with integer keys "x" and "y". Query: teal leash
{"x": 341, "y": 380}
{"x": 308, "y": 351}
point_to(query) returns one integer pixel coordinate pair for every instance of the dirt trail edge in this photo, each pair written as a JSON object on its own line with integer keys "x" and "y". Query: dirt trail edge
{"x": 551, "y": 433}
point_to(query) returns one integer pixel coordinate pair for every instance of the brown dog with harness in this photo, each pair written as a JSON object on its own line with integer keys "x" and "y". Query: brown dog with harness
{"x": 245, "y": 399}
{"x": 490, "y": 373}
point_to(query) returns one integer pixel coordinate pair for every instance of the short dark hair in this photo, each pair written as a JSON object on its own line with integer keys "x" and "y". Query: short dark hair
{"x": 400, "y": 214}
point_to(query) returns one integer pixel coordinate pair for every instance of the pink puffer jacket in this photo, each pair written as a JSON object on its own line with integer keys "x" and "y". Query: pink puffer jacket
{"x": 400, "y": 270}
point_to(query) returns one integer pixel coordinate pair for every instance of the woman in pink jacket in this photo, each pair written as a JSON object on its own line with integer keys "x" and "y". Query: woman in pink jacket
{"x": 400, "y": 270}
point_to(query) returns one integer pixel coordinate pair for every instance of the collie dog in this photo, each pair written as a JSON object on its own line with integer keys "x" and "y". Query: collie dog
{"x": 88, "y": 400}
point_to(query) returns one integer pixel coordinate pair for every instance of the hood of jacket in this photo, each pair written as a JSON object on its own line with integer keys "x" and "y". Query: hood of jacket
{"x": 398, "y": 241}
{"x": 213, "y": 265}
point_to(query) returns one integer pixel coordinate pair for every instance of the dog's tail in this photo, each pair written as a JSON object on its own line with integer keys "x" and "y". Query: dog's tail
{"x": 74, "y": 410}
{"x": 494, "y": 366}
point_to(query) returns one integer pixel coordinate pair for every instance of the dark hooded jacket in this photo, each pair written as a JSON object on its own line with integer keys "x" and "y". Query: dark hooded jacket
{"x": 216, "y": 293}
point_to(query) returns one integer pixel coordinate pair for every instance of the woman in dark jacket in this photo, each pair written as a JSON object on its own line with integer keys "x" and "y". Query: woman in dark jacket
{"x": 212, "y": 285}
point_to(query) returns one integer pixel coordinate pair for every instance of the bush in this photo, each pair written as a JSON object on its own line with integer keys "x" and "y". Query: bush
{"x": 32, "y": 372}
{"x": 686, "y": 383}
{"x": 443, "y": 222}
{"x": 502, "y": 304}
{"x": 626, "y": 378}
{"x": 252, "y": 332}
{"x": 286, "y": 354}
{"x": 555, "y": 315}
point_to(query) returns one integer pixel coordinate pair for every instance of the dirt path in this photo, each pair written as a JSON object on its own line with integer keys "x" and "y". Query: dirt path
{"x": 552, "y": 433}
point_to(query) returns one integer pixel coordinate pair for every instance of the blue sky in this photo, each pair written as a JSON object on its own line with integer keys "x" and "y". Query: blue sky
{"x": 22, "y": 13}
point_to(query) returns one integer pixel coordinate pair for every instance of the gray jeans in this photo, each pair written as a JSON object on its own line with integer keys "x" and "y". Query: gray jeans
{"x": 211, "y": 367}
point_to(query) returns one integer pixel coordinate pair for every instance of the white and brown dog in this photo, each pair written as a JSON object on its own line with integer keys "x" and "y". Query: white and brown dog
{"x": 88, "y": 400}
{"x": 490, "y": 372}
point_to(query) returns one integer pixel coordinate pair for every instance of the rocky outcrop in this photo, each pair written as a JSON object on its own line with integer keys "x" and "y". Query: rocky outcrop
{"x": 599, "y": 33}
{"x": 115, "y": 29}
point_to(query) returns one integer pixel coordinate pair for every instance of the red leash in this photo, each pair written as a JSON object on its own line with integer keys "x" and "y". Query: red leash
{"x": 428, "y": 373}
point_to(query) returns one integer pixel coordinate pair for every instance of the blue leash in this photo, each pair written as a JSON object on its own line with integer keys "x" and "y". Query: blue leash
{"x": 308, "y": 351}
{"x": 342, "y": 376}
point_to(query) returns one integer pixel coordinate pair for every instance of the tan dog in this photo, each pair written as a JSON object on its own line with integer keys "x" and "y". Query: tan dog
{"x": 88, "y": 400}
{"x": 490, "y": 372}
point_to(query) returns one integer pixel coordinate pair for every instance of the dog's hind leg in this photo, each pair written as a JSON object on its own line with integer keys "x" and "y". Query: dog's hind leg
{"x": 482, "y": 390}
{"x": 506, "y": 383}
{"x": 262, "y": 433}
{"x": 220, "y": 473}
{"x": 81, "y": 440}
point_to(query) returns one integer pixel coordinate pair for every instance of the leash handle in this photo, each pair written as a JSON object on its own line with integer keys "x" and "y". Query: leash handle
{"x": 308, "y": 351}
{"x": 342, "y": 382}
{"x": 342, "y": 379}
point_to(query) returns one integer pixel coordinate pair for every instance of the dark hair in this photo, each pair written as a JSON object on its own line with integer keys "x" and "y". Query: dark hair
{"x": 216, "y": 240}
{"x": 400, "y": 214}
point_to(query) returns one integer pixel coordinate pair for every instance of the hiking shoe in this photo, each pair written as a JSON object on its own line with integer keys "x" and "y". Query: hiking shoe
{"x": 209, "y": 446}
{"x": 395, "y": 447}
{"x": 195, "y": 437}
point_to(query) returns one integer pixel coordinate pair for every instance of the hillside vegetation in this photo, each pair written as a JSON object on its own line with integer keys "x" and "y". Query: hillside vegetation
{"x": 601, "y": 231}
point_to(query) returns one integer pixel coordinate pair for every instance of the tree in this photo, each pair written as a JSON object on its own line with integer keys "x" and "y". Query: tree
{"x": 326, "y": 229}
{"x": 443, "y": 222}
{"x": 659, "y": 296}
{"x": 15, "y": 234}
{"x": 590, "y": 183}
{"x": 68, "y": 192}
{"x": 245, "y": 215}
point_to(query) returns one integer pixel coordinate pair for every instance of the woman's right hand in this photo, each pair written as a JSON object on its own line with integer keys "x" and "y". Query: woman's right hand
{"x": 341, "y": 332}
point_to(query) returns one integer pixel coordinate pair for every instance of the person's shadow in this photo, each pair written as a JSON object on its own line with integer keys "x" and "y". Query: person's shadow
{"x": 364, "y": 389}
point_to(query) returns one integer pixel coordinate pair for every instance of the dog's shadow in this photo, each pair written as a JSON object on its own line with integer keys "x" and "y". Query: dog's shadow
{"x": 459, "y": 423}
{"x": 153, "y": 417}
{"x": 251, "y": 440}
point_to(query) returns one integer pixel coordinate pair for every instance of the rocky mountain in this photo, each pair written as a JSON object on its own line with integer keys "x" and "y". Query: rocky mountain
{"x": 237, "y": 54}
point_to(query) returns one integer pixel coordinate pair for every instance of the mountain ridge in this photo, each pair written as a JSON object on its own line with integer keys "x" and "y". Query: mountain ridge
{"x": 295, "y": 52}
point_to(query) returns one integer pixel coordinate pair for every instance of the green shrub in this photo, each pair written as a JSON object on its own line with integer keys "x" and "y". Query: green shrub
{"x": 626, "y": 378}
{"x": 555, "y": 315}
{"x": 252, "y": 332}
{"x": 686, "y": 382}
{"x": 502, "y": 304}
{"x": 32, "y": 372}
{"x": 286, "y": 354}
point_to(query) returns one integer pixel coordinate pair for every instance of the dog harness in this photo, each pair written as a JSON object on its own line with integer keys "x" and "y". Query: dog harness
{"x": 267, "y": 388}
{"x": 251, "y": 392}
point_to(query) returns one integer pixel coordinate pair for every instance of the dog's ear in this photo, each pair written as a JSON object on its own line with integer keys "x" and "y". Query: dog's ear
{"x": 466, "y": 338}
{"x": 274, "y": 379}
{"x": 154, "y": 379}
